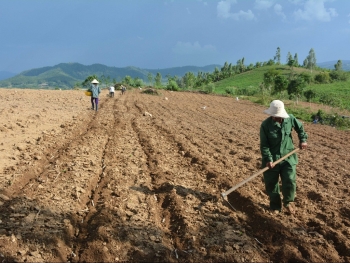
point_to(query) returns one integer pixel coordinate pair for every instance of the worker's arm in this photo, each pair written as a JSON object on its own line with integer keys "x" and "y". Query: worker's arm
{"x": 267, "y": 159}
{"x": 302, "y": 135}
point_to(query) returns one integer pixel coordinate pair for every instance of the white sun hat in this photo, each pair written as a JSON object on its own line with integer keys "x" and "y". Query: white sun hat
{"x": 277, "y": 109}
{"x": 95, "y": 81}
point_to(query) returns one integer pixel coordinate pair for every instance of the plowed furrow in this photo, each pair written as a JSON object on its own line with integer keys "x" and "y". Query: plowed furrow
{"x": 182, "y": 188}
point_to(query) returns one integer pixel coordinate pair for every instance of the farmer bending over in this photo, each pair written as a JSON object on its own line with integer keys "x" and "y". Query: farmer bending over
{"x": 275, "y": 142}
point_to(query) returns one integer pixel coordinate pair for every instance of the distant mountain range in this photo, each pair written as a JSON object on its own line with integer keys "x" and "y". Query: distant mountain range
{"x": 6, "y": 75}
{"x": 330, "y": 64}
{"x": 66, "y": 75}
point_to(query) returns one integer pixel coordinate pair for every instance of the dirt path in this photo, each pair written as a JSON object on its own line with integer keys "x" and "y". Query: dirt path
{"x": 125, "y": 185}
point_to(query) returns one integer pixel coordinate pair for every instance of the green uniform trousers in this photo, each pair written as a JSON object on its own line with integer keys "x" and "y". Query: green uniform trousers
{"x": 287, "y": 172}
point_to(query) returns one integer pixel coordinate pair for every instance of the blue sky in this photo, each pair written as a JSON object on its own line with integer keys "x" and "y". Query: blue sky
{"x": 156, "y": 34}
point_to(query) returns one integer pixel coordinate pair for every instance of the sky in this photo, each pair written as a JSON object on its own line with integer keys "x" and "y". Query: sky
{"x": 157, "y": 34}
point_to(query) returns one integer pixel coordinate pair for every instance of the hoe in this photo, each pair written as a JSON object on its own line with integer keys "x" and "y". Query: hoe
{"x": 225, "y": 194}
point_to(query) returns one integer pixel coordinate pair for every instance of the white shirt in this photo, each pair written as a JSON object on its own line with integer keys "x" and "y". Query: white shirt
{"x": 111, "y": 89}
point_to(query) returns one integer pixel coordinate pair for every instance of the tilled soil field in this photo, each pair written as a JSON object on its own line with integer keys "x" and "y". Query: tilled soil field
{"x": 141, "y": 181}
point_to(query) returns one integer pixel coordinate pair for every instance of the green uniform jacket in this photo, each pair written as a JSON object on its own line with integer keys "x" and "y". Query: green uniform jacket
{"x": 276, "y": 139}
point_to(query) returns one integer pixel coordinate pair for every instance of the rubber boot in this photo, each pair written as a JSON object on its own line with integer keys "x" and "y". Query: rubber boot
{"x": 96, "y": 107}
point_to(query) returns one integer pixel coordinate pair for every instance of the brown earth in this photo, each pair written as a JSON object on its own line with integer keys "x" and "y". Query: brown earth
{"x": 141, "y": 180}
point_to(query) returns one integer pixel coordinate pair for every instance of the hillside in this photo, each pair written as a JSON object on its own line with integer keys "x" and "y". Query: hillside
{"x": 66, "y": 75}
{"x": 335, "y": 94}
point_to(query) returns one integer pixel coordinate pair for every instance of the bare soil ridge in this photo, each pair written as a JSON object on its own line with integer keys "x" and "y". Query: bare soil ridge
{"x": 122, "y": 185}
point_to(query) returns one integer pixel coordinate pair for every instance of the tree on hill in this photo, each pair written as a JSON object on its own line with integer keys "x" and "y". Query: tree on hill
{"x": 87, "y": 82}
{"x": 296, "y": 87}
{"x": 306, "y": 77}
{"x": 296, "y": 60}
{"x": 150, "y": 79}
{"x": 138, "y": 82}
{"x": 310, "y": 61}
{"x": 338, "y": 66}
{"x": 105, "y": 79}
{"x": 240, "y": 66}
{"x": 158, "y": 80}
{"x": 128, "y": 81}
{"x": 269, "y": 63}
{"x": 269, "y": 79}
{"x": 189, "y": 80}
{"x": 172, "y": 83}
{"x": 270, "y": 75}
{"x": 309, "y": 94}
{"x": 216, "y": 75}
{"x": 289, "y": 57}
{"x": 277, "y": 57}
{"x": 280, "y": 84}
{"x": 226, "y": 70}
{"x": 291, "y": 63}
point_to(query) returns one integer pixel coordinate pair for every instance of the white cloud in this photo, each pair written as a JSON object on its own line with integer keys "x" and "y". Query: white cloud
{"x": 263, "y": 4}
{"x": 224, "y": 11}
{"x": 195, "y": 48}
{"x": 315, "y": 10}
{"x": 244, "y": 15}
{"x": 278, "y": 10}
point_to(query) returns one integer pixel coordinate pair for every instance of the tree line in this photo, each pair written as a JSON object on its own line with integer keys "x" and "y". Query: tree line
{"x": 274, "y": 81}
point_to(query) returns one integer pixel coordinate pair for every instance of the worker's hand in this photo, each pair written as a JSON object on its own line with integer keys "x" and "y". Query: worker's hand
{"x": 270, "y": 165}
{"x": 303, "y": 145}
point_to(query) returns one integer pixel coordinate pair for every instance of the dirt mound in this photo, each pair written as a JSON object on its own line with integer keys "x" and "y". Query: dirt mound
{"x": 121, "y": 185}
{"x": 151, "y": 91}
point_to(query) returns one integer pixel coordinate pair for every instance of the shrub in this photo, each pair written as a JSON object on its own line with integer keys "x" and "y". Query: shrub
{"x": 306, "y": 77}
{"x": 330, "y": 100}
{"x": 309, "y": 94}
{"x": 250, "y": 91}
{"x": 337, "y": 75}
{"x": 322, "y": 77}
{"x": 230, "y": 90}
{"x": 172, "y": 85}
{"x": 210, "y": 88}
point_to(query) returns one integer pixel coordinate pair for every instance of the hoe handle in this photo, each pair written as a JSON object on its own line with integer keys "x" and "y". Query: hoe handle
{"x": 256, "y": 174}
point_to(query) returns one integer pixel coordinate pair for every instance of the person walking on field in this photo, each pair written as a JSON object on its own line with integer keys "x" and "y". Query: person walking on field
{"x": 276, "y": 142}
{"x": 111, "y": 91}
{"x": 123, "y": 89}
{"x": 95, "y": 92}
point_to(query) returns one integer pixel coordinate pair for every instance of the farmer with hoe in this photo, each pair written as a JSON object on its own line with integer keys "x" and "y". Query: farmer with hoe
{"x": 95, "y": 92}
{"x": 275, "y": 142}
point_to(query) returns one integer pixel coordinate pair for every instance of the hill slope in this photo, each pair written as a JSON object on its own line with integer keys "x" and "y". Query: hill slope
{"x": 66, "y": 75}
